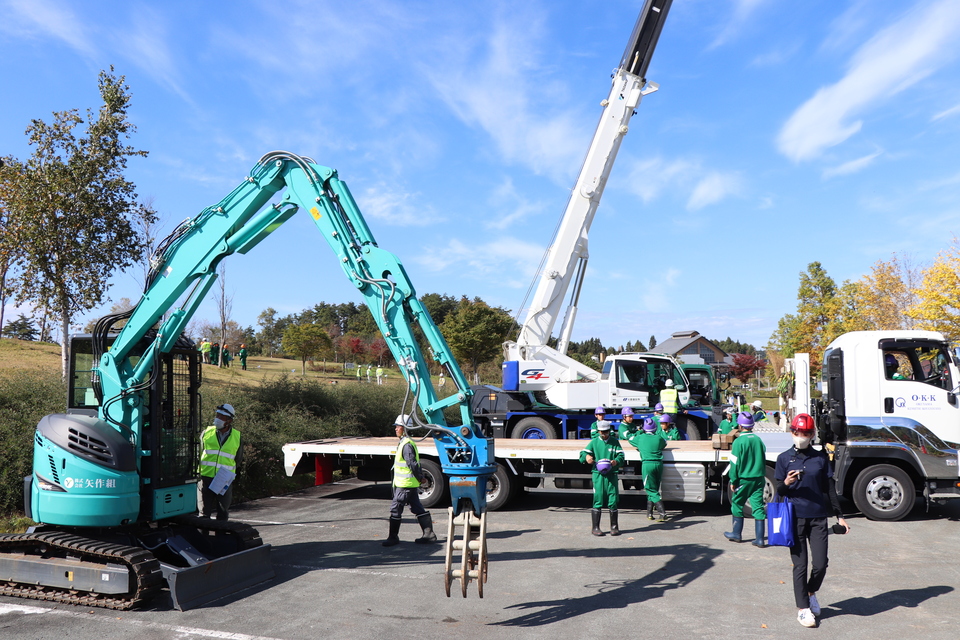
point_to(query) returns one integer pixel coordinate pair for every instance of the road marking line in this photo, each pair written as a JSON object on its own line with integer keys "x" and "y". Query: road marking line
{"x": 190, "y": 631}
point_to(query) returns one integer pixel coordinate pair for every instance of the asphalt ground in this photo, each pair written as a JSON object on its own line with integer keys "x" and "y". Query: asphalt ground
{"x": 549, "y": 578}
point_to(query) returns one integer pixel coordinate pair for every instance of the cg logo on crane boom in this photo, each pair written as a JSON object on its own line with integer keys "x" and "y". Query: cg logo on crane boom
{"x": 534, "y": 374}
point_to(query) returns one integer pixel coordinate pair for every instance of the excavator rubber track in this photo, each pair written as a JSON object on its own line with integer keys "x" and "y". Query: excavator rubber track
{"x": 144, "y": 569}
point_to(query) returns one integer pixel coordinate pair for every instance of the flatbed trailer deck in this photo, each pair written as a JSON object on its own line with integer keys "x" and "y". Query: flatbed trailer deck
{"x": 691, "y": 467}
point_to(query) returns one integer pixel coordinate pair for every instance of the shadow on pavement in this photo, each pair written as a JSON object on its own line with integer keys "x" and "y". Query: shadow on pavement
{"x": 883, "y": 602}
{"x": 687, "y": 563}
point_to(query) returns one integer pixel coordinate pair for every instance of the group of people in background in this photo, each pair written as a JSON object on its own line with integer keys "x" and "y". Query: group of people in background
{"x": 803, "y": 475}
{"x": 213, "y": 353}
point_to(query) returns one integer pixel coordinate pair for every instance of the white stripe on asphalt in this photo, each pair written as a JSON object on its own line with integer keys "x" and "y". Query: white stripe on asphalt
{"x": 189, "y": 631}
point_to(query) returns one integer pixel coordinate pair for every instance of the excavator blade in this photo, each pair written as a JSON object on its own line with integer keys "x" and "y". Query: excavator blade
{"x": 193, "y": 587}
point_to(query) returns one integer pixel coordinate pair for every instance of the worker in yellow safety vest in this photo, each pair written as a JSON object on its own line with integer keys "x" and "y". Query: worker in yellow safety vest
{"x": 220, "y": 454}
{"x": 407, "y": 476}
{"x": 669, "y": 398}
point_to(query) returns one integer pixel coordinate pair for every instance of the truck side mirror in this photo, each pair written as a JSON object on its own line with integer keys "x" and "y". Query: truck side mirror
{"x": 952, "y": 398}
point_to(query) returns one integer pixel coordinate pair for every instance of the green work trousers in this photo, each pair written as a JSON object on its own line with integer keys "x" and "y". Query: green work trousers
{"x": 749, "y": 489}
{"x": 606, "y": 490}
{"x": 652, "y": 474}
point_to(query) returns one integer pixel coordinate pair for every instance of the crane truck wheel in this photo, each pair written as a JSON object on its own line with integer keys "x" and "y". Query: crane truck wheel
{"x": 690, "y": 426}
{"x": 499, "y": 488}
{"x": 534, "y": 428}
{"x": 433, "y": 489}
{"x": 884, "y": 492}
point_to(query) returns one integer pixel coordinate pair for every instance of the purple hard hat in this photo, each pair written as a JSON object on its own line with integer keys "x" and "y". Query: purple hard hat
{"x": 666, "y": 418}
{"x": 626, "y": 411}
{"x": 649, "y": 425}
{"x": 659, "y": 407}
{"x": 599, "y": 410}
{"x": 604, "y": 465}
{"x": 745, "y": 420}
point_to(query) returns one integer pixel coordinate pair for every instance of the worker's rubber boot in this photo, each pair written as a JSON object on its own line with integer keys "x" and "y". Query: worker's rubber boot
{"x": 426, "y": 523}
{"x": 649, "y": 510}
{"x": 595, "y": 516}
{"x": 662, "y": 512}
{"x": 394, "y": 537}
{"x": 614, "y": 522}
{"x": 736, "y": 534}
{"x": 759, "y": 537}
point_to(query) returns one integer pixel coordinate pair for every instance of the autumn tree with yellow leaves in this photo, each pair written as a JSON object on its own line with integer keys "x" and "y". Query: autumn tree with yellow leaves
{"x": 938, "y": 296}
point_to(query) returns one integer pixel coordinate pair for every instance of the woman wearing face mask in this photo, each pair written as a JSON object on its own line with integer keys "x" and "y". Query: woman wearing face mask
{"x": 805, "y": 476}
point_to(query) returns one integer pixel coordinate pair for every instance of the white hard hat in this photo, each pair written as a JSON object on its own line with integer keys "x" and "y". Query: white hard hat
{"x": 603, "y": 425}
{"x": 668, "y": 383}
{"x": 227, "y": 410}
{"x": 757, "y": 404}
{"x": 403, "y": 420}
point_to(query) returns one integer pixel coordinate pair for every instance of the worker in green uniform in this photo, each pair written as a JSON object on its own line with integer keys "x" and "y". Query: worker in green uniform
{"x": 650, "y": 445}
{"x": 728, "y": 424}
{"x": 225, "y": 355}
{"x": 668, "y": 429}
{"x": 242, "y": 354}
{"x": 747, "y": 471}
{"x": 215, "y": 354}
{"x": 628, "y": 426}
{"x": 599, "y": 414}
{"x": 606, "y": 456}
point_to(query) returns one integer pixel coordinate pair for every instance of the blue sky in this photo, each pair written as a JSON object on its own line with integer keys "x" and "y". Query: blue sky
{"x": 783, "y": 133}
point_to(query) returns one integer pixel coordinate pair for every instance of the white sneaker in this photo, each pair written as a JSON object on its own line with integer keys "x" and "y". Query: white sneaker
{"x": 806, "y": 618}
{"x": 814, "y": 605}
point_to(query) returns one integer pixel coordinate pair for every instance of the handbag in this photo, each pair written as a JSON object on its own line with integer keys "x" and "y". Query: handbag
{"x": 780, "y": 523}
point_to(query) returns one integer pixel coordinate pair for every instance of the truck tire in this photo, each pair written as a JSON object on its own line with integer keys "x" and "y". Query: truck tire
{"x": 884, "y": 492}
{"x": 500, "y": 488}
{"x": 769, "y": 492}
{"x": 690, "y": 426}
{"x": 534, "y": 428}
{"x": 433, "y": 489}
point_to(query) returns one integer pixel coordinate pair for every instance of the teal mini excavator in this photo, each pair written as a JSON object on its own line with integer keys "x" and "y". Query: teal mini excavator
{"x": 114, "y": 478}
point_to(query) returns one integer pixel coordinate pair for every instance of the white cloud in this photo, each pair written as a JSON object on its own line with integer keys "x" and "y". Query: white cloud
{"x": 649, "y": 178}
{"x": 853, "y": 166}
{"x": 508, "y": 206}
{"x": 742, "y": 11}
{"x": 945, "y": 113}
{"x": 511, "y": 261}
{"x": 893, "y": 60}
{"x": 396, "y": 207}
{"x": 54, "y": 18}
{"x": 712, "y": 188}
{"x": 487, "y": 84}
{"x": 146, "y": 44}
{"x": 656, "y": 292}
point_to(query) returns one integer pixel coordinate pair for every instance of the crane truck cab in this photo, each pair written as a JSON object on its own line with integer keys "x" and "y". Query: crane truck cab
{"x": 890, "y": 414}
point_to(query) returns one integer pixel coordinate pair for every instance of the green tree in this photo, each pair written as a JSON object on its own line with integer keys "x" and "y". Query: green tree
{"x": 271, "y": 331}
{"x": 305, "y": 341}
{"x": 439, "y": 306}
{"x": 10, "y": 250}
{"x": 123, "y": 304}
{"x": 75, "y": 210}
{"x": 23, "y": 328}
{"x": 475, "y": 332}
{"x": 652, "y": 344}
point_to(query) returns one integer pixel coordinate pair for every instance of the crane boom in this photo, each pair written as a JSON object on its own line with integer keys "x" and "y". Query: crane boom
{"x": 567, "y": 256}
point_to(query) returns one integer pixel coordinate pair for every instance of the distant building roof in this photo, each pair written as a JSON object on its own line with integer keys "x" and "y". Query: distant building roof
{"x": 681, "y": 340}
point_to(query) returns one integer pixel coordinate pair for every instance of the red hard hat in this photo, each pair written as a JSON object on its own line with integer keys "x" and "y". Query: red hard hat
{"x": 803, "y": 422}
